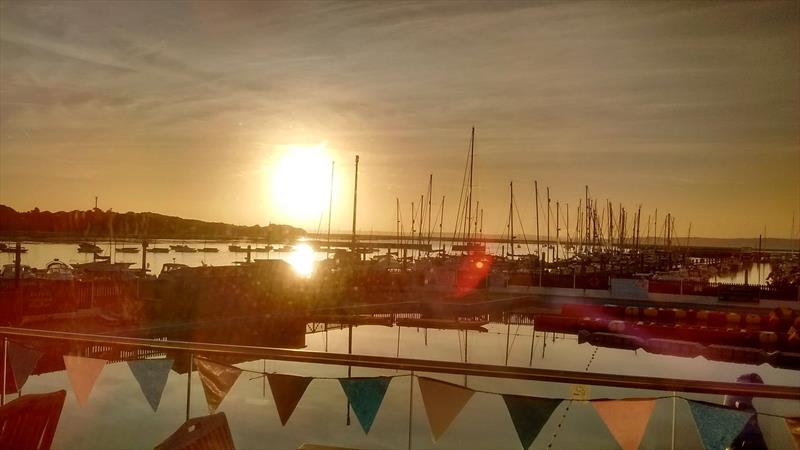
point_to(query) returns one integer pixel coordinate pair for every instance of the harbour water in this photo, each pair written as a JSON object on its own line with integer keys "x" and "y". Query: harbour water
{"x": 40, "y": 253}
{"x": 117, "y": 413}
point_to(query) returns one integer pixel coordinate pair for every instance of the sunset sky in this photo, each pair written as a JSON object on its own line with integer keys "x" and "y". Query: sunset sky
{"x": 211, "y": 110}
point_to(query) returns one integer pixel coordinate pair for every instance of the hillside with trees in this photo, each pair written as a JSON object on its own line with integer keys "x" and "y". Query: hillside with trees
{"x": 99, "y": 224}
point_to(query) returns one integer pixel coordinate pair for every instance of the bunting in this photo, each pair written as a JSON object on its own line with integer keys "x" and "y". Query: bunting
{"x": 529, "y": 415}
{"x": 151, "y": 374}
{"x": 287, "y": 390}
{"x": 626, "y": 419}
{"x": 365, "y": 396}
{"x": 718, "y": 426}
{"x": 443, "y": 401}
{"x": 217, "y": 380}
{"x": 793, "y": 424}
{"x": 83, "y": 373}
{"x": 22, "y": 361}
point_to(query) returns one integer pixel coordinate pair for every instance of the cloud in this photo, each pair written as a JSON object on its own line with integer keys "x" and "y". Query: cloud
{"x": 660, "y": 94}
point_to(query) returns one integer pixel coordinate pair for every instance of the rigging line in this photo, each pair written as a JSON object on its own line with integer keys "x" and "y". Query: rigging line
{"x": 461, "y": 199}
{"x": 522, "y": 225}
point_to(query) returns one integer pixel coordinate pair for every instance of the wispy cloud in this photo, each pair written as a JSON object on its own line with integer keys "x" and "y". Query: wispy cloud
{"x": 658, "y": 95}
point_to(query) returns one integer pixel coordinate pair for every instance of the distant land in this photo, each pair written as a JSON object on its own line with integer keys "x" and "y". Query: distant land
{"x": 678, "y": 241}
{"x": 99, "y": 224}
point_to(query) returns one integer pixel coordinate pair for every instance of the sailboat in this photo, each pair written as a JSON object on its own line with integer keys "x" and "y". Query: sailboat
{"x": 468, "y": 245}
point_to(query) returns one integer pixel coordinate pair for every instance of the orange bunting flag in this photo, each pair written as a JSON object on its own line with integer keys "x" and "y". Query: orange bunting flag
{"x": 217, "y": 380}
{"x": 793, "y": 423}
{"x": 626, "y": 419}
{"x": 443, "y": 402}
{"x": 287, "y": 390}
{"x": 83, "y": 373}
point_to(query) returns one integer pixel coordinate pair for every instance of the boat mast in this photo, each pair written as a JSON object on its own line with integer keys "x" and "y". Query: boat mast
{"x": 355, "y": 204}
{"x": 441, "y": 223}
{"x": 536, "y": 204}
{"x": 397, "y": 214}
{"x": 558, "y": 239}
{"x": 430, "y": 212}
{"x": 469, "y": 192}
{"x": 330, "y": 210}
{"x": 413, "y": 228}
{"x": 511, "y": 218}
{"x": 548, "y": 221}
{"x": 421, "y": 223}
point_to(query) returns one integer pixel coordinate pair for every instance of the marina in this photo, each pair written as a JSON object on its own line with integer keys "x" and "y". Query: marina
{"x": 339, "y": 225}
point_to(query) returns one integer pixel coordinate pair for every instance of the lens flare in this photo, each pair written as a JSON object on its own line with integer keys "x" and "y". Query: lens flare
{"x": 302, "y": 260}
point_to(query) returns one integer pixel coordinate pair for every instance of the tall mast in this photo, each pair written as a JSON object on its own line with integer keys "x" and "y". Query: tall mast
{"x": 558, "y": 240}
{"x": 511, "y": 218}
{"x": 397, "y": 213}
{"x": 638, "y": 226}
{"x": 330, "y": 209}
{"x": 413, "y": 227}
{"x": 421, "y": 219}
{"x": 548, "y": 219}
{"x": 588, "y": 213}
{"x": 441, "y": 222}
{"x": 538, "y": 240}
{"x": 469, "y": 192}
{"x": 655, "y": 228}
{"x": 430, "y": 212}
{"x": 355, "y": 205}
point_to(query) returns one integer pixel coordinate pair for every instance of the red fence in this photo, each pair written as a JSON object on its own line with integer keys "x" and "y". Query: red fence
{"x": 35, "y": 297}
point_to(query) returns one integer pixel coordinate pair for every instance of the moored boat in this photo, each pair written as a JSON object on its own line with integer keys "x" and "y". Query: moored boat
{"x": 85, "y": 247}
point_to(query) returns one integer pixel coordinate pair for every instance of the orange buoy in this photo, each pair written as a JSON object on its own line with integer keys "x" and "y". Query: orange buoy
{"x": 768, "y": 337}
{"x": 733, "y": 317}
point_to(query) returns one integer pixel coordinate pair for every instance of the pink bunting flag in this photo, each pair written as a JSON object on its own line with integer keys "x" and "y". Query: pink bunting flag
{"x": 217, "y": 380}
{"x": 83, "y": 373}
{"x": 626, "y": 419}
{"x": 443, "y": 402}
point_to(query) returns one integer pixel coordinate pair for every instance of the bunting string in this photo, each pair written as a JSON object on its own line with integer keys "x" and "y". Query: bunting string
{"x": 626, "y": 419}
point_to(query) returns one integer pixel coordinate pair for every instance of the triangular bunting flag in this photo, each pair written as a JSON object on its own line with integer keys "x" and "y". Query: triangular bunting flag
{"x": 217, "y": 380}
{"x": 83, "y": 373}
{"x": 718, "y": 426}
{"x": 529, "y": 415}
{"x": 22, "y": 360}
{"x": 287, "y": 390}
{"x": 626, "y": 419}
{"x": 443, "y": 401}
{"x": 793, "y": 424}
{"x": 152, "y": 377}
{"x": 365, "y": 395}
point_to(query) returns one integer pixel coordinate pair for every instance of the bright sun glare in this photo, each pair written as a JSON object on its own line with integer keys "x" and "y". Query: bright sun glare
{"x": 302, "y": 260}
{"x": 300, "y": 181}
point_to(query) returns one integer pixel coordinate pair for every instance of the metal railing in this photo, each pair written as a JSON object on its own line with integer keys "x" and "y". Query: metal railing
{"x": 421, "y": 365}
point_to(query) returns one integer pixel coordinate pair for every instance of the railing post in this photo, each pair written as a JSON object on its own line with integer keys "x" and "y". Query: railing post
{"x": 189, "y": 386}
{"x": 5, "y": 369}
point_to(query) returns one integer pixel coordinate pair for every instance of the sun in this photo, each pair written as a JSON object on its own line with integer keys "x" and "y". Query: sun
{"x": 300, "y": 183}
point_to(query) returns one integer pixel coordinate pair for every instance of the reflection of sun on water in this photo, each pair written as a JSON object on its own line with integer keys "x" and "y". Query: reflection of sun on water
{"x": 300, "y": 182}
{"x": 302, "y": 260}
